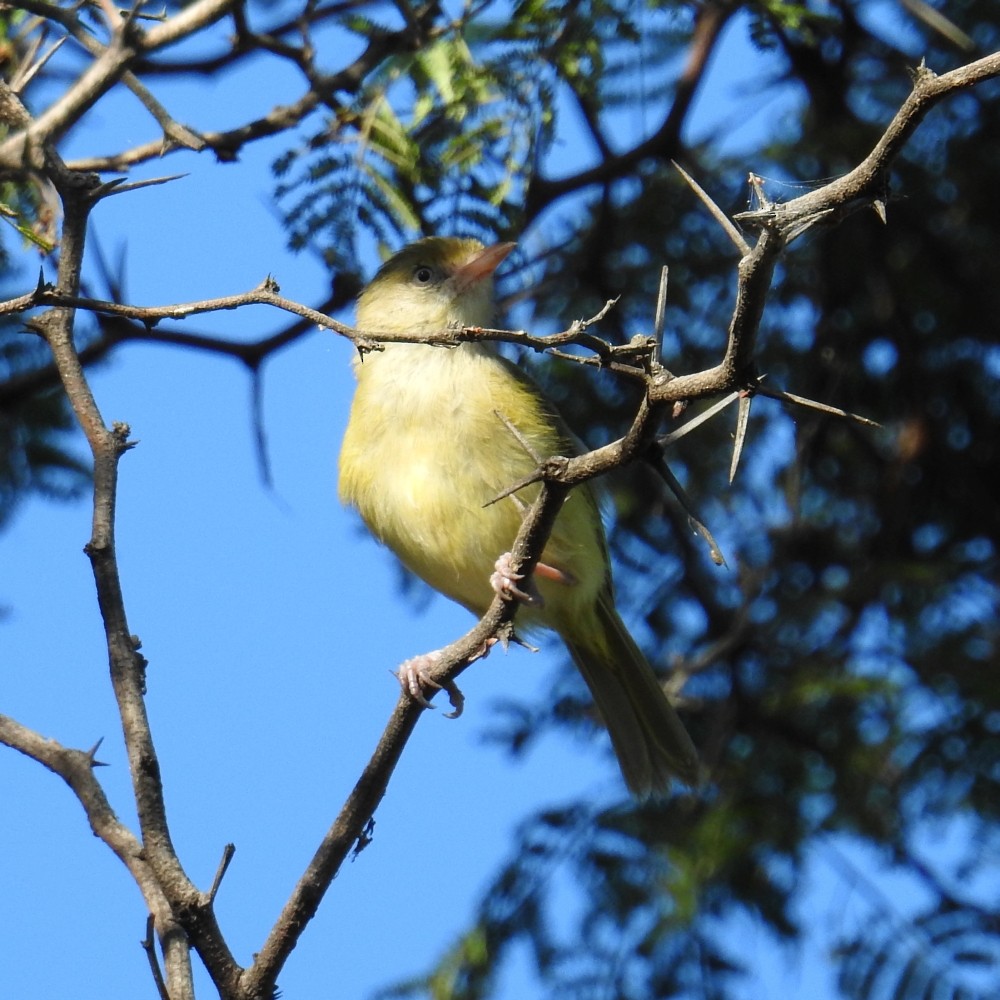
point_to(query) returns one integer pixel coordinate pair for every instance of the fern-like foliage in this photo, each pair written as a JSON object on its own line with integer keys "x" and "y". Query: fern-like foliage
{"x": 435, "y": 140}
{"x": 633, "y": 939}
{"x": 450, "y": 137}
{"x": 946, "y": 954}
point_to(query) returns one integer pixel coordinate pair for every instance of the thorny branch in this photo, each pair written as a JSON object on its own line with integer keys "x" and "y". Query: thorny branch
{"x": 183, "y": 915}
{"x": 558, "y": 474}
{"x": 76, "y": 768}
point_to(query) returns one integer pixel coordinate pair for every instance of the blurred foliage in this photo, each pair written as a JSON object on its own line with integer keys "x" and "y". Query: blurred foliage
{"x": 35, "y": 418}
{"x": 433, "y": 137}
{"x": 28, "y": 204}
{"x": 36, "y": 454}
{"x": 842, "y": 671}
{"x": 447, "y": 137}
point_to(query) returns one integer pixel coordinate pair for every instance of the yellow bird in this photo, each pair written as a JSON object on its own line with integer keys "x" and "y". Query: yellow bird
{"x": 426, "y": 448}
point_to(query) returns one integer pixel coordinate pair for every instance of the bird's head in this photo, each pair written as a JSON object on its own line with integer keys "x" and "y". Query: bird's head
{"x": 432, "y": 284}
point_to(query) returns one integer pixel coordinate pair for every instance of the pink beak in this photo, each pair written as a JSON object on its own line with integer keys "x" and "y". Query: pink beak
{"x": 483, "y": 264}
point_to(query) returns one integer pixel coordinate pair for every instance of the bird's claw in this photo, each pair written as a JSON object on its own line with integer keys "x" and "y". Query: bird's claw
{"x": 414, "y": 675}
{"x": 504, "y": 582}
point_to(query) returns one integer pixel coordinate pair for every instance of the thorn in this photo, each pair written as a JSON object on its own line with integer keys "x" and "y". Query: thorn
{"x": 937, "y": 21}
{"x": 723, "y": 220}
{"x": 807, "y": 223}
{"x": 657, "y": 461}
{"x": 879, "y": 205}
{"x": 535, "y": 477}
{"x": 742, "y": 419}
{"x": 811, "y": 404}
{"x": 518, "y": 641}
{"x": 665, "y": 440}
{"x": 91, "y": 755}
{"x": 519, "y": 437}
{"x": 103, "y": 190}
{"x": 116, "y": 186}
{"x": 659, "y": 322}
{"x": 220, "y": 873}
{"x": 28, "y": 72}
{"x": 759, "y": 201}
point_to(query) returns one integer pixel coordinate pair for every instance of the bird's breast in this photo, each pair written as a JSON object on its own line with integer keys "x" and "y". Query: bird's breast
{"x": 428, "y": 447}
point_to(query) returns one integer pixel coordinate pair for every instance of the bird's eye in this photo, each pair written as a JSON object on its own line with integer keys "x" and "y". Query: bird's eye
{"x": 423, "y": 275}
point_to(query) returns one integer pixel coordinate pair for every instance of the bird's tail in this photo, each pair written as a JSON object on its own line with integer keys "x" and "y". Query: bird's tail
{"x": 649, "y": 739}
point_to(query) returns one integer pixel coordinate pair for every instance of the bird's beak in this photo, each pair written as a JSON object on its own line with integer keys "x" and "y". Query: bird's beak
{"x": 483, "y": 264}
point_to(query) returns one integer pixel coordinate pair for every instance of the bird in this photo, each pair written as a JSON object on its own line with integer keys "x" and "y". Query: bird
{"x": 430, "y": 441}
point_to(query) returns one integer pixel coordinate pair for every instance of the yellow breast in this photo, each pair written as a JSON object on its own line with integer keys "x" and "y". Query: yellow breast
{"x": 426, "y": 449}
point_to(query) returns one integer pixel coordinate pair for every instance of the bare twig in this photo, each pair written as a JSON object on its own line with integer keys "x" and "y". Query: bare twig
{"x": 149, "y": 947}
{"x": 266, "y": 293}
{"x": 664, "y": 142}
{"x": 31, "y": 66}
{"x": 161, "y": 875}
{"x": 225, "y": 144}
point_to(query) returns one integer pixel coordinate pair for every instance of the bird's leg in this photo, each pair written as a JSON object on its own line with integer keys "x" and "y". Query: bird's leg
{"x": 505, "y": 581}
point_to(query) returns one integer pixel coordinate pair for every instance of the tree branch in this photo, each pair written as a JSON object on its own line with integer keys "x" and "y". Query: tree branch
{"x": 76, "y": 768}
{"x": 127, "y": 666}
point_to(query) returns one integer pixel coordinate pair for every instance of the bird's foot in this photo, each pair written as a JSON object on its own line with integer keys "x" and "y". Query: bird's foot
{"x": 414, "y": 675}
{"x": 505, "y": 583}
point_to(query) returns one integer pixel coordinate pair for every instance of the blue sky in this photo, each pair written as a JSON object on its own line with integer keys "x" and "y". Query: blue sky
{"x": 271, "y": 623}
